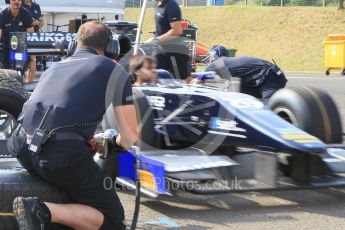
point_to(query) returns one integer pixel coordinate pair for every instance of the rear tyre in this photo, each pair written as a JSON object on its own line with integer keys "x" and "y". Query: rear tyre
{"x": 12, "y": 98}
{"x": 310, "y": 109}
{"x": 12, "y": 95}
{"x": 11, "y": 74}
{"x": 14, "y": 182}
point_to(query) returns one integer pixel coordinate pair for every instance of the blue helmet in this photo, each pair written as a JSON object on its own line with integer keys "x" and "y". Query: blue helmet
{"x": 163, "y": 74}
{"x": 217, "y": 52}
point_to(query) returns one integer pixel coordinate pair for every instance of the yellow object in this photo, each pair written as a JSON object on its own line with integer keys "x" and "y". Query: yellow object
{"x": 147, "y": 180}
{"x": 334, "y": 52}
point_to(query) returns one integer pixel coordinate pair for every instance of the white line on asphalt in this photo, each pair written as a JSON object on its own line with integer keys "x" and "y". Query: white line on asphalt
{"x": 283, "y": 202}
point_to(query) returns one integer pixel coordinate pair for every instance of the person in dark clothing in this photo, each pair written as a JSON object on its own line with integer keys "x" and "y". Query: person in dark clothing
{"x": 13, "y": 18}
{"x": 172, "y": 54}
{"x": 38, "y": 23}
{"x": 35, "y": 11}
{"x": 73, "y": 95}
{"x": 258, "y": 77}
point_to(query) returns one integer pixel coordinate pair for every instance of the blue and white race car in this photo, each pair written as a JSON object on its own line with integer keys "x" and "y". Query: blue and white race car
{"x": 207, "y": 140}
{"x": 199, "y": 138}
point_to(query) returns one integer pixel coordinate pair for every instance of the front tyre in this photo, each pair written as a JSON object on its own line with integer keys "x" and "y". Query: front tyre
{"x": 310, "y": 109}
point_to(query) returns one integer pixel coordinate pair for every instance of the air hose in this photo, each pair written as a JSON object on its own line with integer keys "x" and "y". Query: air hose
{"x": 103, "y": 140}
{"x": 136, "y": 152}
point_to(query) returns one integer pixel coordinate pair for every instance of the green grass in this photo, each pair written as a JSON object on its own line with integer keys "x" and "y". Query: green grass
{"x": 292, "y": 36}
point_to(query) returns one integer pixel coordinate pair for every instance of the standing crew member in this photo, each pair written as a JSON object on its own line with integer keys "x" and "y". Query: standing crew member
{"x": 73, "y": 97}
{"x": 13, "y": 18}
{"x": 173, "y": 54}
{"x": 259, "y": 78}
{"x": 37, "y": 17}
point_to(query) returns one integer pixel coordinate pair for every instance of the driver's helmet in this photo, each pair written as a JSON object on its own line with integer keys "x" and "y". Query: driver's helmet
{"x": 217, "y": 52}
{"x": 163, "y": 74}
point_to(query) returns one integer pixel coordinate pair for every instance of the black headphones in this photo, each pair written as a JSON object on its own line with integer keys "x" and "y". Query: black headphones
{"x": 112, "y": 50}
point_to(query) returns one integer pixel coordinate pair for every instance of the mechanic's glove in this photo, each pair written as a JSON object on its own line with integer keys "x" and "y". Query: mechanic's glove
{"x": 111, "y": 135}
{"x": 204, "y": 75}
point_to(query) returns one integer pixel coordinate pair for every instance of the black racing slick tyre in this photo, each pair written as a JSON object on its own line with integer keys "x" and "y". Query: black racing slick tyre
{"x": 12, "y": 98}
{"x": 12, "y": 95}
{"x": 11, "y": 74}
{"x": 310, "y": 109}
{"x": 14, "y": 182}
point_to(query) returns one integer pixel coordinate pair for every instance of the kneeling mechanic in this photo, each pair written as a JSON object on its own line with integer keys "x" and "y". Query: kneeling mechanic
{"x": 73, "y": 96}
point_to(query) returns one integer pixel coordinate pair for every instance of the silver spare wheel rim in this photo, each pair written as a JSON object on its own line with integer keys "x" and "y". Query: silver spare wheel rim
{"x": 7, "y": 124}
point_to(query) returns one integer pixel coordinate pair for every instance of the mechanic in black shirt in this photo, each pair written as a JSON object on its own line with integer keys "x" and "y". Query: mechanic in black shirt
{"x": 77, "y": 92}
{"x": 258, "y": 77}
{"x": 37, "y": 16}
{"x": 174, "y": 54}
{"x": 13, "y": 18}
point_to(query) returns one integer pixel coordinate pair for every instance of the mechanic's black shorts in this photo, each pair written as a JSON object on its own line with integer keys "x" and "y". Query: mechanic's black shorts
{"x": 177, "y": 63}
{"x": 270, "y": 85}
{"x": 69, "y": 165}
{"x": 5, "y": 59}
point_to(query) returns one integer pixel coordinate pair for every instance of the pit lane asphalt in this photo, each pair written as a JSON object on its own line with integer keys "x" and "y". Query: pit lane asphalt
{"x": 294, "y": 209}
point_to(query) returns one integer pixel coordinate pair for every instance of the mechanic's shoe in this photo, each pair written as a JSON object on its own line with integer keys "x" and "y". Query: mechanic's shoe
{"x": 31, "y": 213}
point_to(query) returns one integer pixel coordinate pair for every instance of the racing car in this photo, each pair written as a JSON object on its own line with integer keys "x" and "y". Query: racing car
{"x": 203, "y": 139}
{"x": 192, "y": 136}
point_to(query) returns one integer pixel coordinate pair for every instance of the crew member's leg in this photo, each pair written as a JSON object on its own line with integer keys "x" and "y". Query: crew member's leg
{"x": 5, "y": 60}
{"x": 31, "y": 72}
{"x": 181, "y": 66}
{"x": 270, "y": 86}
{"x": 175, "y": 59}
{"x": 17, "y": 147}
{"x": 70, "y": 166}
{"x": 253, "y": 91}
{"x": 163, "y": 62}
